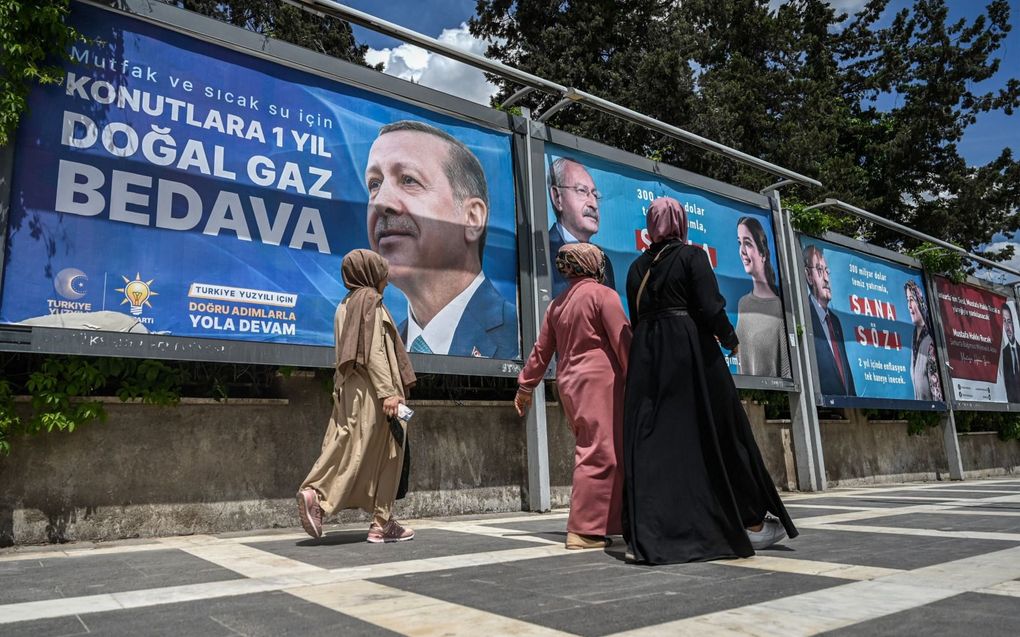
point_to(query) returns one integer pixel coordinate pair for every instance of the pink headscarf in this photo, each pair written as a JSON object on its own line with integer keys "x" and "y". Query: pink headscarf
{"x": 667, "y": 219}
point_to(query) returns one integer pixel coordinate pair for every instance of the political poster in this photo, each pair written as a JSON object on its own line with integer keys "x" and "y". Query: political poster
{"x": 872, "y": 333}
{"x": 591, "y": 199}
{"x": 173, "y": 185}
{"x": 980, "y": 329}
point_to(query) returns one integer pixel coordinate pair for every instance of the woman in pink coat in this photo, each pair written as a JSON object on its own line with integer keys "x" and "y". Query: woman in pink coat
{"x": 588, "y": 330}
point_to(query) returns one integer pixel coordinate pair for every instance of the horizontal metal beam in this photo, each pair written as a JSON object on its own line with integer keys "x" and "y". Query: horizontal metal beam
{"x": 367, "y": 20}
{"x": 910, "y": 232}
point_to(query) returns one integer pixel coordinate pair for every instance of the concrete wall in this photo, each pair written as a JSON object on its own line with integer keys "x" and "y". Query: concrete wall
{"x": 985, "y": 455}
{"x": 205, "y": 467}
{"x": 858, "y": 451}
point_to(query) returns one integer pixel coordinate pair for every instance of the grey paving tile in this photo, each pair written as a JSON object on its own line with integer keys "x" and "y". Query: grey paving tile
{"x": 342, "y": 549}
{"x": 595, "y": 593}
{"x": 967, "y": 614}
{"x": 53, "y": 578}
{"x": 994, "y": 506}
{"x": 267, "y": 614}
{"x": 943, "y": 522}
{"x": 885, "y": 550}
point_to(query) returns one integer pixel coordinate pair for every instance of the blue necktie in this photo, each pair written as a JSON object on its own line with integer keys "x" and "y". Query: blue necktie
{"x": 419, "y": 346}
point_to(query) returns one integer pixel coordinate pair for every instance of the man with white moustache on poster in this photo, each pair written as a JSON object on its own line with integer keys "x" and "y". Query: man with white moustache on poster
{"x": 834, "y": 372}
{"x": 575, "y": 202}
{"x": 428, "y": 209}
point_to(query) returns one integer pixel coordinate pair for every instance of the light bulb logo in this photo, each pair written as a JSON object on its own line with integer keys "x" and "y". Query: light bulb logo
{"x": 137, "y": 293}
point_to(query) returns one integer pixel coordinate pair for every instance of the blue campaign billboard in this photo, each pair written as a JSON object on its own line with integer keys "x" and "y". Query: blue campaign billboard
{"x": 872, "y": 332}
{"x": 595, "y": 200}
{"x": 173, "y": 185}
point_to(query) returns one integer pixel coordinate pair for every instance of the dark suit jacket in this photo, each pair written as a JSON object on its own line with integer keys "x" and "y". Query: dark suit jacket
{"x": 487, "y": 329}
{"x": 559, "y": 284}
{"x": 828, "y": 373}
{"x": 1009, "y": 377}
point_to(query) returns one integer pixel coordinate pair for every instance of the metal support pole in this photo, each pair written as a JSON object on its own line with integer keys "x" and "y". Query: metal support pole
{"x": 950, "y": 440}
{"x": 555, "y": 108}
{"x": 519, "y": 95}
{"x": 910, "y": 232}
{"x": 539, "y": 493}
{"x": 807, "y": 436}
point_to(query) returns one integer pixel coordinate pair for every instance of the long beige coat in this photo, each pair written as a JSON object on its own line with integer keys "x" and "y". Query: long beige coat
{"x": 359, "y": 466}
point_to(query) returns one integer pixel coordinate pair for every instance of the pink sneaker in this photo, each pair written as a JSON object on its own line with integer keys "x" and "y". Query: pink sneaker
{"x": 310, "y": 512}
{"x": 390, "y": 532}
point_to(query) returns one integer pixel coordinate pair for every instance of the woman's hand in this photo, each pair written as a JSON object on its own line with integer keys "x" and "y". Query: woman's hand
{"x": 522, "y": 401}
{"x": 390, "y": 406}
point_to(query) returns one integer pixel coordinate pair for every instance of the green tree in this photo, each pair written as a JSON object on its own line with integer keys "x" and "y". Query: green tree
{"x": 32, "y": 37}
{"x": 802, "y": 86}
{"x": 284, "y": 21}
{"x": 623, "y": 50}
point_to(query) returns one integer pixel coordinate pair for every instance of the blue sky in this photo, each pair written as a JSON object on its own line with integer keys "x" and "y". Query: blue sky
{"x": 444, "y": 19}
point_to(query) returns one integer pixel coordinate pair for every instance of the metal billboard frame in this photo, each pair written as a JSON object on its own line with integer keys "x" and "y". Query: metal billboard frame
{"x": 95, "y": 343}
{"x": 971, "y": 405}
{"x": 853, "y": 402}
{"x": 542, "y": 134}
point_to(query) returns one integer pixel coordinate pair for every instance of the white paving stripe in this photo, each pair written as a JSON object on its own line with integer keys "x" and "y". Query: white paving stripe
{"x": 162, "y": 544}
{"x": 248, "y": 561}
{"x": 415, "y": 615}
{"x": 898, "y": 530}
{"x": 811, "y": 567}
{"x": 1011, "y": 588}
{"x": 840, "y": 606}
{"x": 510, "y": 534}
{"x": 84, "y": 552}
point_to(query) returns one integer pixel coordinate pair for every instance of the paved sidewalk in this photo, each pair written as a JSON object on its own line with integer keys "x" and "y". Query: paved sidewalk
{"x": 933, "y": 559}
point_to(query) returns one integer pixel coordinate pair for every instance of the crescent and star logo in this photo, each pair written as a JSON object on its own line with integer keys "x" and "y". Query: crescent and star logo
{"x": 71, "y": 283}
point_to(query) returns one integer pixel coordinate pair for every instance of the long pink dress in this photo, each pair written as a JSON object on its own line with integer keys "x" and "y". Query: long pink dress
{"x": 588, "y": 330}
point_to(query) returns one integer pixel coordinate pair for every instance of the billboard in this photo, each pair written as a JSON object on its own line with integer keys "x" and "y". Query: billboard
{"x": 175, "y": 186}
{"x": 981, "y": 340}
{"x": 595, "y": 200}
{"x": 870, "y": 324}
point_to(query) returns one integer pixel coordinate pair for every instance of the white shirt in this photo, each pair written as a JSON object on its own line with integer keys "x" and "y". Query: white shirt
{"x": 438, "y": 334}
{"x": 567, "y": 237}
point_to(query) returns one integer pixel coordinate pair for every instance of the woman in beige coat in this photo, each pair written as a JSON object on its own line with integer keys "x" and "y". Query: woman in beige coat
{"x": 361, "y": 459}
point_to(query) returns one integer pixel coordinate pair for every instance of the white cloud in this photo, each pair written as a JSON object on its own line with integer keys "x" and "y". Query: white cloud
{"x": 998, "y": 276}
{"x": 413, "y": 63}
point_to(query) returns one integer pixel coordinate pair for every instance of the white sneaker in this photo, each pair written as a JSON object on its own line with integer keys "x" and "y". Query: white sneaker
{"x": 771, "y": 532}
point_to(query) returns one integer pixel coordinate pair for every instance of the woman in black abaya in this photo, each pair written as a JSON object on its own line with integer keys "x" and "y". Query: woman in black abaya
{"x": 696, "y": 486}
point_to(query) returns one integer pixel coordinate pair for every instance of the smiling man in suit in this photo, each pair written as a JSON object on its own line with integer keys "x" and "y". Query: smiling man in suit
{"x": 834, "y": 372}
{"x": 428, "y": 208}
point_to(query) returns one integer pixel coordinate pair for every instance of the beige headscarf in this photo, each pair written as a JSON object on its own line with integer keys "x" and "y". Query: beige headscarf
{"x": 576, "y": 260}
{"x": 362, "y": 272}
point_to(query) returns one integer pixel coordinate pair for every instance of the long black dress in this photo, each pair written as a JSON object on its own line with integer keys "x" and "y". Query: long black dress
{"x": 694, "y": 475}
